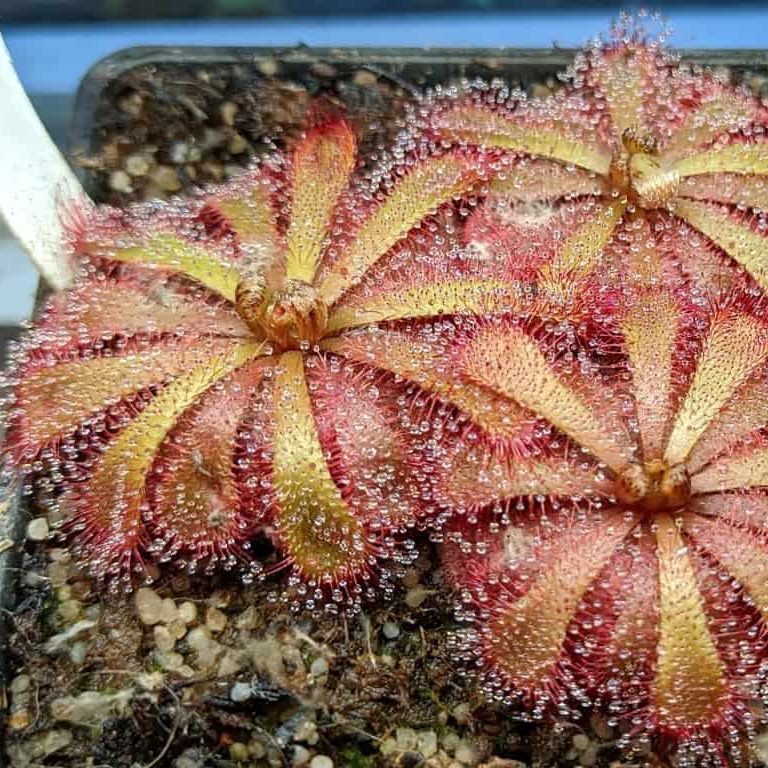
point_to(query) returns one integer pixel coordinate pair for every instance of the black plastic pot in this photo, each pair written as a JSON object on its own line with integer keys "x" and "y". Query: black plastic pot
{"x": 161, "y": 101}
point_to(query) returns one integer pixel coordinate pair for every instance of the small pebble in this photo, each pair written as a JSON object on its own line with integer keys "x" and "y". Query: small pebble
{"x": 169, "y": 660}
{"x": 268, "y": 67}
{"x": 179, "y": 152}
{"x": 37, "y": 530}
{"x": 450, "y": 741}
{"x": 164, "y": 640}
{"x": 241, "y": 692}
{"x": 151, "y": 681}
{"x": 166, "y": 178}
{"x": 20, "y": 684}
{"x": 168, "y": 611}
{"x": 319, "y": 667}
{"x": 227, "y": 111}
{"x": 581, "y": 741}
{"x": 256, "y": 748}
{"x": 461, "y": 713}
{"x": 321, "y": 761}
{"x": 187, "y": 612}
{"x": 238, "y": 751}
{"x": 136, "y": 164}
{"x": 426, "y": 743}
{"x": 406, "y": 739}
{"x": 78, "y": 652}
{"x": 149, "y": 606}
{"x": 301, "y": 756}
{"x": 190, "y": 758}
{"x": 248, "y": 619}
{"x": 215, "y": 620}
{"x": 237, "y": 145}
{"x": 466, "y": 753}
{"x": 390, "y": 630}
{"x": 365, "y": 79}
{"x": 214, "y": 170}
{"x": 306, "y": 731}
{"x": 177, "y": 629}
{"x": 120, "y": 181}
{"x": 388, "y": 746}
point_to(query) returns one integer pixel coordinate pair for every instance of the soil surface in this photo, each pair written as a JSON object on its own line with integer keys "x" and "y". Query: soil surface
{"x": 210, "y": 672}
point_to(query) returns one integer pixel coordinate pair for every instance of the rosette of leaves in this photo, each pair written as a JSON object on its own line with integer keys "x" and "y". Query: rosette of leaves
{"x": 622, "y": 563}
{"x": 218, "y": 370}
{"x": 635, "y": 139}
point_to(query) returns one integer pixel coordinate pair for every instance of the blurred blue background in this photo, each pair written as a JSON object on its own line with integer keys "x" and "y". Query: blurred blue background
{"x": 55, "y": 42}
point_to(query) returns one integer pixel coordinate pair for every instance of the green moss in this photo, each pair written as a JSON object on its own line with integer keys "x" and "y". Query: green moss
{"x": 352, "y": 757}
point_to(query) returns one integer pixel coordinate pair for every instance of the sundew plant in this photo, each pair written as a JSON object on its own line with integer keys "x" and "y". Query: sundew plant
{"x": 536, "y": 327}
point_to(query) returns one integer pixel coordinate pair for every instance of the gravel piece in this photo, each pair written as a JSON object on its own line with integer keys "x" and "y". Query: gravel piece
{"x": 426, "y": 743}
{"x": 301, "y": 756}
{"x": 238, "y": 751}
{"x": 406, "y": 739}
{"x": 462, "y": 713}
{"x": 237, "y": 145}
{"x": 450, "y": 741}
{"x": 306, "y": 731}
{"x": 37, "y": 530}
{"x": 164, "y": 640}
{"x": 177, "y": 629}
{"x": 78, "y": 652}
{"x": 241, "y": 691}
{"x": 215, "y": 620}
{"x": 466, "y": 753}
{"x": 151, "y": 681}
{"x": 581, "y": 741}
{"x": 228, "y": 111}
{"x": 390, "y": 630}
{"x": 20, "y": 684}
{"x": 187, "y": 612}
{"x": 190, "y": 758}
{"x": 120, "y": 181}
{"x": 137, "y": 164}
{"x": 149, "y": 606}
{"x": 166, "y": 178}
{"x": 318, "y": 668}
{"x": 169, "y": 660}
{"x": 168, "y": 611}
{"x": 321, "y": 761}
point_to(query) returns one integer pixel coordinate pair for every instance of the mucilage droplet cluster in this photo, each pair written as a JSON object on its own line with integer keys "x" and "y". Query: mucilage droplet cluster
{"x": 538, "y": 328}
